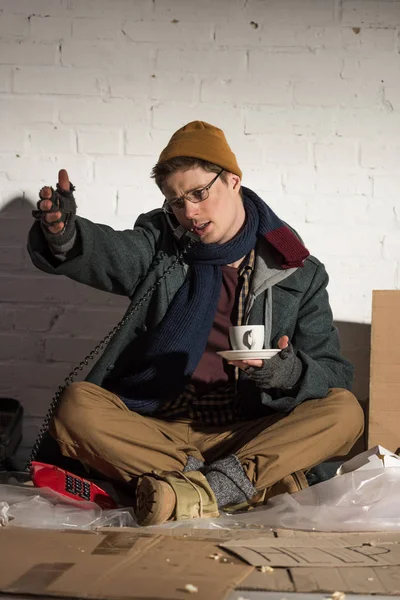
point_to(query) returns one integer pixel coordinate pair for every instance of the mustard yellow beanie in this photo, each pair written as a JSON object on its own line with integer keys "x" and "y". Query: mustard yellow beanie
{"x": 201, "y": 140}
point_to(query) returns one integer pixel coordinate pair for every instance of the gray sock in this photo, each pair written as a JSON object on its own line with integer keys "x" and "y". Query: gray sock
{"x": 193, "y": 464}
{"x": 229, "y": 482}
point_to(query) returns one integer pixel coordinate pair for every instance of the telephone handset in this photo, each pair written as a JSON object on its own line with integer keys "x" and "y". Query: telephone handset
{"x": 54, "y": 473}
{"x": 177, "y": 229}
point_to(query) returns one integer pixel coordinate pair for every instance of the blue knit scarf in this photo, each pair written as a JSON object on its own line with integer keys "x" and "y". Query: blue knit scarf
{"x": 176, "y": 346}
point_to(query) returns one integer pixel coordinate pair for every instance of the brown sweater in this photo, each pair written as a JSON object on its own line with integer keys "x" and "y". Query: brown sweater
{"x": 213, "y": 370}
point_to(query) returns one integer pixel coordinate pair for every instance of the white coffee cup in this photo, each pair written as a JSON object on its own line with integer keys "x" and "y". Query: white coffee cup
{"x": 247, "y": 337}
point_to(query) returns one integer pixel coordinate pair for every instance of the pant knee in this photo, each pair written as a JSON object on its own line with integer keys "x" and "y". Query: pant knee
{"x": 72, "y": 412}
{"x": 347, "y": 414}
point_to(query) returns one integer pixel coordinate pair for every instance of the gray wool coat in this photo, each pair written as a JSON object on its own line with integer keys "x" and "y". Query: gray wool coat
{"x": 292, "y": 302}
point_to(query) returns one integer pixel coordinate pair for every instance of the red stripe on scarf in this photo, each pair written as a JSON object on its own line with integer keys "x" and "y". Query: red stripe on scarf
{"x": 289, "y": 247}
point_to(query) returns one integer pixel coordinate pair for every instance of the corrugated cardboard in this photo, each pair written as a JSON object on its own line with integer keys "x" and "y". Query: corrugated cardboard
{"x": 304, "y": 552}
{"x": 350, "y": 580}
{"x": 114, "y": 565}
{"x": 132, "y": 563}
{"x": 384, "y": 405}
{"x": 373, "y": 579}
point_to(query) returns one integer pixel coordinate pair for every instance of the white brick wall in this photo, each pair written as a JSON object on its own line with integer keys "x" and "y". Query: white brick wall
{"x": 307, "y": 91}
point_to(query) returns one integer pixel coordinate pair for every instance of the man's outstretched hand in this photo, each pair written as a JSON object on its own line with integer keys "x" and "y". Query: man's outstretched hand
{"x": 46, "y": 205}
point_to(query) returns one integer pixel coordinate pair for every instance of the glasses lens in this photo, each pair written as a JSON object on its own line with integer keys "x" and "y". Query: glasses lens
{"x": 198, "y": 196}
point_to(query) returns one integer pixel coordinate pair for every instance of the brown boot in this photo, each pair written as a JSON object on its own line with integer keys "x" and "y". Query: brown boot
{"x": 155, "y": 501}
{"x": 164, "y": 496}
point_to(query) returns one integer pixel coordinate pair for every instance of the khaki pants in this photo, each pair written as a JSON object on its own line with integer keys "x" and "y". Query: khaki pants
{"x": 95, "y": 427}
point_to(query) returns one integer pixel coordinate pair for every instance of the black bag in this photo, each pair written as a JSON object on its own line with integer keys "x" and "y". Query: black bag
{"x": 11, "y": 413}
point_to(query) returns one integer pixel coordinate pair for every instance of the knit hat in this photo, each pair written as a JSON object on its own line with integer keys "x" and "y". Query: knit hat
{"x": 201, "y": 140}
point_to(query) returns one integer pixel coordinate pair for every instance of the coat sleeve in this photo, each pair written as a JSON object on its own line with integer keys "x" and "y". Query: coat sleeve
{"x": 316, "y": 342}
{"x": 109, "y": 260}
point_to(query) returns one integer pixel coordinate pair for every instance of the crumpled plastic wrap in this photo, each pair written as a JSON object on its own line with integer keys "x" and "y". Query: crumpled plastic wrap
{"x": 356, "y": 501}
{"x": 362, "y": 500}
{"x": 42, "y": 508}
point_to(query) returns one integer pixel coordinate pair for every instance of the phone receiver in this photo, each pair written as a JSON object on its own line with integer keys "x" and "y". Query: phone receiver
{"x": 177, "y": 229}
{"x": 69, "y": 485}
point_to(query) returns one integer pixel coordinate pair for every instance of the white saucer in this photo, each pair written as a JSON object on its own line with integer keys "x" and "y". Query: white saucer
{"x": 264, "y": 354}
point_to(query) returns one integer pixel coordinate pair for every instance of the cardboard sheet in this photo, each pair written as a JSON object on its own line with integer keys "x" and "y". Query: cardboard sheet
{"x": 384, "y": 404}
{"x": 310, "y": 578}
{"x": 130, "y": 563}
{"x": 115, "y": 564}
{"x": 296, "y": 552}
{"x": 350, "y": 580}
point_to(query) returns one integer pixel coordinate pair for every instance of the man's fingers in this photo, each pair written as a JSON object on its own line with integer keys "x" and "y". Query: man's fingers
{"x": 255, "y": 362}
{"x": 51, "y": 217}
{"x": 45, "y": 205}
{"x": 45, "y": 192}
{"x": 243, "y": 364}
{"x": 56, "y": 228}
{"x": 283, "y": 342}
{"x": 63, "y": 180}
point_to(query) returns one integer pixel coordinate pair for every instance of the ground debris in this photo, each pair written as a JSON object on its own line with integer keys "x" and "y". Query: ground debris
{"x": 265, "y": 569}
{"x": 192, "y": 589}
{"x": 338, "y": 596}
{"x": 215, "y": 556}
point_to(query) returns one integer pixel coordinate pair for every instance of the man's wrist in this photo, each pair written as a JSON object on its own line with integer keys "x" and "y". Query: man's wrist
{"x": 62, "y": 242}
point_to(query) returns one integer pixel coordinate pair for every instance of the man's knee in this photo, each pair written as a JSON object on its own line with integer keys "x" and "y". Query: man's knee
{"x": 346, "y": 413}
{"x": 72, "y": 413}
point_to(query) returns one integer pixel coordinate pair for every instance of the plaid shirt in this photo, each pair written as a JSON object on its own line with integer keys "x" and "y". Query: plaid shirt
{"x": 222, "y": 405}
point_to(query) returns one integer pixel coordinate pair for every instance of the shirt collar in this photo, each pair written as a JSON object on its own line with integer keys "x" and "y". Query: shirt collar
{"x": 247, "y": 264}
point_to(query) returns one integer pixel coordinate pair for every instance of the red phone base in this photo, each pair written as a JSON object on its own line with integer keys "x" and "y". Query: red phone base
{"x": 69, "y": 485}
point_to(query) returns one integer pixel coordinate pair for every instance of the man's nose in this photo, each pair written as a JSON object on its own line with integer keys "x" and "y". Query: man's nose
{"x": 191, "y": 209}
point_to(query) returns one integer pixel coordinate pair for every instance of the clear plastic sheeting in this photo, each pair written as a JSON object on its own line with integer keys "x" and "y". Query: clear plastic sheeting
{"x": 42, "y": 508}
{"x": 364, "y": 500}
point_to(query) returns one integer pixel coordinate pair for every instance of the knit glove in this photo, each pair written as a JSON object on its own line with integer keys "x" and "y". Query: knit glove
{"x": 64, "y": 202}
{"x": 282, "y": 371}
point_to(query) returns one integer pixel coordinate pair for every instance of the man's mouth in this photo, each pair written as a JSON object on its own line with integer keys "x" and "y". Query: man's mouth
{"x": 200, "y": 228}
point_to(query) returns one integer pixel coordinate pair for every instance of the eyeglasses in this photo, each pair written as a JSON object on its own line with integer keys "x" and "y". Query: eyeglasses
{"x": 195, "y": 196}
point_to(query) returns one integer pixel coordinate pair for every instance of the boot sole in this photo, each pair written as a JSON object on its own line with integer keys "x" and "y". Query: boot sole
{"x": 155, "y": 501}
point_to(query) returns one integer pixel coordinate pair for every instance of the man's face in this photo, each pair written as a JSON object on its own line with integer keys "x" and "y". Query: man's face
{"x": 217, "y": 219}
